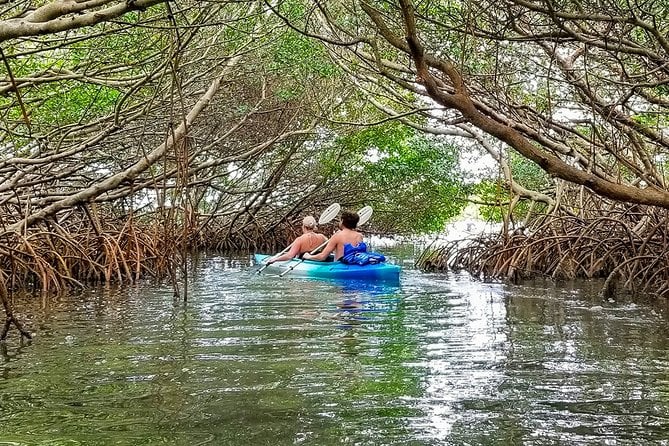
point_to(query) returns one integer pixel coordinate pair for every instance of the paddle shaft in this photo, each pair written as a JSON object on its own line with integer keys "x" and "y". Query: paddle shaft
{"x": 267, "y": 264}
{"x": 313, "y": 251}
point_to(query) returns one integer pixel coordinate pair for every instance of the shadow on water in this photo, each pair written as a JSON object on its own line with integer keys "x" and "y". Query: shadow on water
{"x": 256, "y": 359}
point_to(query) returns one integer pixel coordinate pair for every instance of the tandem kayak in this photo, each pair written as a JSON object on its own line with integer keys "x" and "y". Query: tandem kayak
{"x": 386, "y": 272}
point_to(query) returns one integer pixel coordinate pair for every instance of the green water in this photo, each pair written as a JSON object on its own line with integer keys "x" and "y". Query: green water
{"x": 255, "y": 360}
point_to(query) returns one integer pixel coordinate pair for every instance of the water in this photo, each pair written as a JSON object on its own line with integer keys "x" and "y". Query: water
{"x": 440, "y": 360}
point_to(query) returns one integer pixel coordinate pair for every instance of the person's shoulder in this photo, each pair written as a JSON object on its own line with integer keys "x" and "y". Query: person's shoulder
{"x": 299, "y": 240}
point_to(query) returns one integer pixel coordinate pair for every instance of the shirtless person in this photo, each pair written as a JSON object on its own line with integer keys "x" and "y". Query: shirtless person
{"x": 347, "y": 235}
{"x": 308, "y": 241}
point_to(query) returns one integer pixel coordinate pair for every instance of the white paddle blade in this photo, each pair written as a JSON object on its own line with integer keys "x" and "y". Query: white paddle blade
{"x": 330, "y": 213}
{"x": 365, "y": 214}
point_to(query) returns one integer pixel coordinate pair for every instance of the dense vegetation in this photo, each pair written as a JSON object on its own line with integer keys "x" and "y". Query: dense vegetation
{"x": 134, "y": 131}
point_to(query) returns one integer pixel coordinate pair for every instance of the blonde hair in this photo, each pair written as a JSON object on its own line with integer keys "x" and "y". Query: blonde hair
{"x": 309, "y": 222}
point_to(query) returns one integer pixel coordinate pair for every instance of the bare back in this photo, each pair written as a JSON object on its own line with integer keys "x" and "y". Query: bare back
{"x": 310, "y": 241}
{"x": 343, "y": 237}
{"x": 305, "y": 243}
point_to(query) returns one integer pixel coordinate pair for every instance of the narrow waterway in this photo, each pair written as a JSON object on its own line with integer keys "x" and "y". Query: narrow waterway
{"x": 255, "y": 359}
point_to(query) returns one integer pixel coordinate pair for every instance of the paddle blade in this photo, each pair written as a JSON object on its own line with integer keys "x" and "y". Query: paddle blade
{"x": 330, "y": 213}
{"x": 365, "y": 214}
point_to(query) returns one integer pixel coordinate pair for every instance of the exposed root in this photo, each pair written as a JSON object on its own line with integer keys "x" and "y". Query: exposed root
{"x": 628, "y": 255}
{"x": 82, "y": 249}
{"x": 9, "y": 314}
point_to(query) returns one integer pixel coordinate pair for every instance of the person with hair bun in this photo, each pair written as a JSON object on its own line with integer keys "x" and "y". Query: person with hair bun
{"x": 308, "y": 241}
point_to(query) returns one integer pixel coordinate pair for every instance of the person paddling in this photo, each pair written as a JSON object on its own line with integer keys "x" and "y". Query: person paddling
{"x": 308, "y": 241}
{"x": 348, "y": 235}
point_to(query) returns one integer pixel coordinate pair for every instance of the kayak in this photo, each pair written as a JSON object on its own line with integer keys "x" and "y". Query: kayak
{"x": 333, "y": 270}
{"x": 386, "y": 272}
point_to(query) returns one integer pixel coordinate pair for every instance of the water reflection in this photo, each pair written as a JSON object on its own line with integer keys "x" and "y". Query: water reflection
{"x": 439, "y": 359}
{"x": 359, "y": 305}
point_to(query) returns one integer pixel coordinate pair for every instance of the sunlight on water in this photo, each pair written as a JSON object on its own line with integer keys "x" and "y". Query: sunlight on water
{"x": 257, "y": 359}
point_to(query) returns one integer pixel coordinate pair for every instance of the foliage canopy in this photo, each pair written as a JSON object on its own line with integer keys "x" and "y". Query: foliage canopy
{"x": 250, "y": 110}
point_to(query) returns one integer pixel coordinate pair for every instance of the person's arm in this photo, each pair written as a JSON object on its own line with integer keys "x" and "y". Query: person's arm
{"x": 332, "y": 244}
{"x": 294, "y": 250}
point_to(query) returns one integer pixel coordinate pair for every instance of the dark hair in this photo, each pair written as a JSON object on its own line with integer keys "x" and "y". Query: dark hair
{"x": 350, "y": 219}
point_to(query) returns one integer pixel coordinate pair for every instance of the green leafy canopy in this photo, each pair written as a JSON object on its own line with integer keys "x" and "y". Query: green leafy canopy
{"x": 412, "y": 179}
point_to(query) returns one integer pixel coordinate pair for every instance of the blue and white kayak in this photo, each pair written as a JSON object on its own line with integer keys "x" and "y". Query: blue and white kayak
{"x": 386, "y": 272}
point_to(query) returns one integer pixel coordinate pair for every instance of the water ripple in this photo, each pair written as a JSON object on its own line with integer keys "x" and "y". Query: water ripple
{"x": 259, "y": 359}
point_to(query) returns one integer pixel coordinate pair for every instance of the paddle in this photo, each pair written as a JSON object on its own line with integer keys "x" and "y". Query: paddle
{"x": 365, "y": 214}
{"x": 326, "y": 217}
